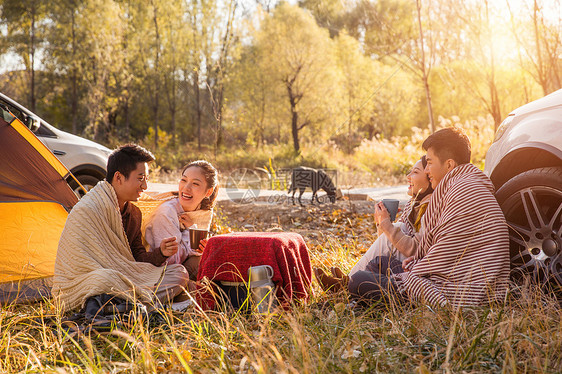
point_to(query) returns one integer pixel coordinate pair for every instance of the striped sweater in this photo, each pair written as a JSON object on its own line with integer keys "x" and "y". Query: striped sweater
{"x": 463, "y": 255}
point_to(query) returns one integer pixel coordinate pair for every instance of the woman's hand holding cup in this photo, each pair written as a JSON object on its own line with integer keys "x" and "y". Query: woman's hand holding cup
{"x": 202, "y": 245}
{"x": 381, "y": 213}
{"x": 196, "y": 236}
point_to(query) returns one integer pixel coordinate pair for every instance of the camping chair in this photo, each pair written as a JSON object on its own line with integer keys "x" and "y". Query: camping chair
{"x": 148, "y": 202}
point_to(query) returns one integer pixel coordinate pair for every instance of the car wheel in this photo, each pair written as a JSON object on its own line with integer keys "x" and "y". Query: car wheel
{"x": 88, "y": 181}
{"x": 532, "y": 205}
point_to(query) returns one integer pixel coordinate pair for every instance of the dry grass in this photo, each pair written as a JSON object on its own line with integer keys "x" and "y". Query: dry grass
{"x": 522, "y": 335}
{"x": 375, "y": 162}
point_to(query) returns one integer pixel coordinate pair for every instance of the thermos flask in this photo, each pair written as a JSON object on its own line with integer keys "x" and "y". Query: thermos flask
{"x": 262, "y": 288}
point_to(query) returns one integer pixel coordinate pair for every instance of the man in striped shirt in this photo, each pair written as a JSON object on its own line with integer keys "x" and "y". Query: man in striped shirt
{"x": 462, "y": 257}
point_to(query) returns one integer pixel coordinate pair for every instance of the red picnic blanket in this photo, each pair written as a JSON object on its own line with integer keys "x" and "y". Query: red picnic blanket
{"x": 228, "y": 258}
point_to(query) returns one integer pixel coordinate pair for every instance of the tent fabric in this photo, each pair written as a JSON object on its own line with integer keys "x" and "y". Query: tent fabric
{"x": 29, "y": 228}
{"x": 41, "y": 148}
{"x": 26, "y": 175}
{"x": 34, "y": 203}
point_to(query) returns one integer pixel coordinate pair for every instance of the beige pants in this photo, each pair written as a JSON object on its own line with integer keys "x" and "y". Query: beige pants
{"x": 191, "y": 264}
{"x": 174, "y": 281}
{"x": 381, "y": 247}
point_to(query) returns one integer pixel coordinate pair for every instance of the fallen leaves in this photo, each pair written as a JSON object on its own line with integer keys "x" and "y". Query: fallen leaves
{"x": 349, "y": 221}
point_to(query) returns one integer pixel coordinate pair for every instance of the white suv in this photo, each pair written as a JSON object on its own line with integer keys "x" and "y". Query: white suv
{"x": 84, "y": 158}
{"x": 525, "y": 165}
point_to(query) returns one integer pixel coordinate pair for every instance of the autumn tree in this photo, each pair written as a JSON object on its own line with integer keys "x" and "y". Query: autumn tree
{"x": 176, "y": 43}
{"x": 82, "y": 56}
{"x": 25, "y": 21}
{"x": 330, "y": 14}
{"x": 542, "y": 41}
{"x": 66, "y": 53}
{"x": 129, "y": 86}
{"x": 199, "y": 27}
{"x": 219, "y": 66}
{"x": 101, "y": 60}
{"x": 213, "y": 37}
{"x": 478, "y": 26}
{"x": 359, "y": 86}
{"x": 298, "y": 55}
{"x": 414, "y": 35}
{"x": 424, "y": 58}
{"x": 252, "y": 97}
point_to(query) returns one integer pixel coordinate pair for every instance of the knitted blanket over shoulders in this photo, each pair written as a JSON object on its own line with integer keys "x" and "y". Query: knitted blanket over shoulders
{"x": 94, "y": 256}
{"x": 463, "y": 255}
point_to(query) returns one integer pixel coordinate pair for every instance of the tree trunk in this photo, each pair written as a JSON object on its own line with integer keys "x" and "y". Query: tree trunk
{"x": 295, "y": 129}
{"x": 173, "y": 109}
{"x": 156, "y": 80}
{"x": 173, "y": 126}
{"x": 424, "y": 71}
{"x": 219, "y": 116}
{"x": 294, "y": 119}
{"x": 349, "y": 121}
{"x": 540, "y": 65}
{"x": 74, "y": 78}
{"x": 261, "y": 121}
{"x": 429, "y": 106}
{"x": 170, "y": 90}
{"x": 197, "y": 107}
{"x": 127, "y": 130}
{"x": 32, "y": 103}
{"x": 74, "y": 102}
{"x": 494, "y": 97}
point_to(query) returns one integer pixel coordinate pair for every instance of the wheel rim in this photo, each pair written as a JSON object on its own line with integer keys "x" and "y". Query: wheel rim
{"x": 80, "y": 192}
{"x": 534, "y": 217}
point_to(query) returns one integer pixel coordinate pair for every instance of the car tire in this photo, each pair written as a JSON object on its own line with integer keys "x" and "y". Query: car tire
{"x": 532, "y": 205}
{"x": 88, "y": 181}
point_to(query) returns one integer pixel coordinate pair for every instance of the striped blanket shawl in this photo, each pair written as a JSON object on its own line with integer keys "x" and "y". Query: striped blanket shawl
{"x": 463, "y": 255}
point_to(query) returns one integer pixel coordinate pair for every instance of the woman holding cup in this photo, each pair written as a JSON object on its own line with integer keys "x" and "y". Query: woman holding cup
{"x": 397, "y": 240}
{"x": 169, "y": 227}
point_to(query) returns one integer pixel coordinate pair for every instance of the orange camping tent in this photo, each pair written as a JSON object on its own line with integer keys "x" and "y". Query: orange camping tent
{"x": 34, "y": 202}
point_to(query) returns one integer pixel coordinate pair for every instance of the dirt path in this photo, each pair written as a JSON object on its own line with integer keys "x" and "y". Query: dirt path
{"x": 376, "y": 193}
{"x": 349, "y": 219}
{"x": 346, "y": 220}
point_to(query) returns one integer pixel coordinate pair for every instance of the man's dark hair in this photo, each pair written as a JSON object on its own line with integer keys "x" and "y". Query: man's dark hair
{"x": 449, "y": 143}
{"x": 125, "y": 159}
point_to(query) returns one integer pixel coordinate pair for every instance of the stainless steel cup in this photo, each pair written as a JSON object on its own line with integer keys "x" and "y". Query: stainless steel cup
{"x": 195, "y": 237}
{"x": 392, "y": 206}
{"x": 262, "y": 288}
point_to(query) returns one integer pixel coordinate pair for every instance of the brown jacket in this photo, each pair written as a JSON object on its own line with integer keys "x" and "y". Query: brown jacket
{"x": 132, "y": 220}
